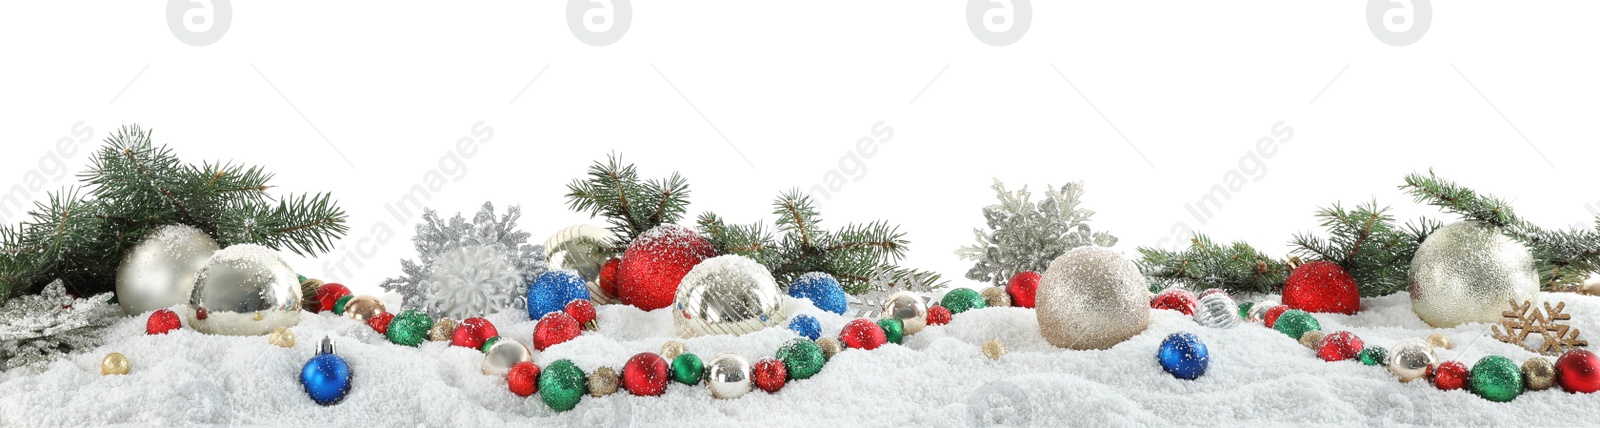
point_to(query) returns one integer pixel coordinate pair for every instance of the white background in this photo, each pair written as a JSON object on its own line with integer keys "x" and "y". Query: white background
{"x": 746, "y": 99}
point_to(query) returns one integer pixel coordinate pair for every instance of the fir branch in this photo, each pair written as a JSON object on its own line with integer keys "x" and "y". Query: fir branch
{"x": 614, "y": 191}
{"x": 1237, "y": 268}
{"x": 1367, "y": 243}
{"x": 1563, "y": 258}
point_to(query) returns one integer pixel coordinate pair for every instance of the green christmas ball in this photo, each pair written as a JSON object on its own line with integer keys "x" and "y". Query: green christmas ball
{"x": 893, "y": 329}
{"x": 1295, "y": 323}
{"x": 1496, "y": 378}
{"x": 687, "y": 369}
{"x": 802, "y": 358}
{"x": 1244, "y": 310}
{"x": 410, "y": 328}
{"x": 489, "y": 343}
{"x": 960, "y": 300}
{"x": 562, "y": 384}
{"x": 338, "y": 305}
{"x": 1372, "y": 356}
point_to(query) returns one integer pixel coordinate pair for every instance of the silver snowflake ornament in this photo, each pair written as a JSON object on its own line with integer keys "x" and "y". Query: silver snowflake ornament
{"x": 469, "y": 269}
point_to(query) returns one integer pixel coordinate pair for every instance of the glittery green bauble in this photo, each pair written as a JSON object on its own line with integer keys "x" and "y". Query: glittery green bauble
{"x": 1295, "y": 323}
{"x": 1372, "y": 356}
{"x": 962, "y": 299}
{"x": 1496, "y": 378}
{"x": 1244, "y": 310}
{"x": 338, "y": 305}
{"x": 894, "y": 329}
{"x": 489, "y": 343}
{"x": 410, "y": 328}
{"x": 562, "y": 384}
{"x": 687, "y": 369}
{"x": 802, "y": 358}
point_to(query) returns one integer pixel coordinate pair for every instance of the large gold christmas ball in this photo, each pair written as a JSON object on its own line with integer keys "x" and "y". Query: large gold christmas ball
{"x": 1469, "y": 272}
{"x": 727, "y": 295}
{"x": 245, "y": 290}
{"x": 1092, "y": 298}
{"x": 160, "y": 271}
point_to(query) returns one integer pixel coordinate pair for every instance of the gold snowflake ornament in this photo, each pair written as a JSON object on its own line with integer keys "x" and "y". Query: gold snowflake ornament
{"x": 1524, "y": 320}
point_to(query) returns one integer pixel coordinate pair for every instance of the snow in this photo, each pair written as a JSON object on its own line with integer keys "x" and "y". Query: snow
{"x": 938, "y": 378}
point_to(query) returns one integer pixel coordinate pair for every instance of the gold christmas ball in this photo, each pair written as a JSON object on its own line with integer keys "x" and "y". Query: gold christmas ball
{"x": 441, "y": 329}
{"x": 1468, "y": 272}
{"x": 114, "y": 364}
{"x": 361, "y": 308}
{"x": 994, "y": 349}
{"x": 1092, "y": 298}
{"x": 603, "y": 382}
{"x": 1410, "y": 359}
{"x": 1538, "y": 374}
{"x": 283, "y": 337}
{"x": 830, "y": 347}
{"x": 997, "y": 297}
{"x": 1438, "y": 341}
{"x": 1312, "y": 338}
{"x": 671, "y": 349}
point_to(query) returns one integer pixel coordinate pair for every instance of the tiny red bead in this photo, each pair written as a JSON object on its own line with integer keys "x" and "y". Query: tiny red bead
{"x": 769, "y": 374}
{"x": 863, "y": 334}
{"x": 523, "y": 379}
{"x": 645, "y": 375}
{"x": 1272, "y": 315}
{"x": 938, "y": 315}
{"x": 472, "y": 333}
{"x": 381, "y": 322}
{"x": 1450, "y": 375}
{"x": 162, "y": 322}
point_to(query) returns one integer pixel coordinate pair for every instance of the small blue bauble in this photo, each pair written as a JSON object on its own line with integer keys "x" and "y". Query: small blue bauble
{"x": 553, "y": 290}
{"x": 822, "y": 290}
{"x": 1183, "y": 355}
{"x": 326, "y": 378}
{"x": 807, "y": 326}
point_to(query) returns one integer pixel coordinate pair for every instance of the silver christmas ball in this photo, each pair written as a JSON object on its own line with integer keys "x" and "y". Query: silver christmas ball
{"x": 728, "y": 376}
{"x": 160, "y": 271}
{"x": 502, "y": 355}
{"x": 1470, "y": 272}
{"x": 1217, "y": 310}
{"x": 909, "y": 308}
{"x": 582, "y": 249}
{"x": 1258, "y": 311}
{"x": 727, "y": 295}
{"x": 244, "y": 290}
{"x": 1092, "y": 298}
{"x": 1409, "y": 360}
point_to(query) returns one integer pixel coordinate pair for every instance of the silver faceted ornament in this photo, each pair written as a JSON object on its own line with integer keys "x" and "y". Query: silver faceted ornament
{"x": 727, "y": 295}
{"x": 1468, "y": 272}
{"x": 909, "y": 308}
{"x": 1409, "y": 360}
{"x": 1217, "y": 310}
{"x": 503, "y": 354}
{"x": 244, "y": 290}
{"x": 1092, "y": 298}
{"x": 160, "y": 271}
{"x": 582, "y": 249}
{"x": 728, "y": 376}
{"x": 1258, "y": 311}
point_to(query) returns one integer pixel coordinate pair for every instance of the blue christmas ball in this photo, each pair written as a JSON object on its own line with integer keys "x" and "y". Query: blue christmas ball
{"x": 807, "y": 326}
{"x": 553, "y": 290}
{"x": 822, "y": 290}
{"x": 326, "y": 378}
{"x": 1183, "y": 355}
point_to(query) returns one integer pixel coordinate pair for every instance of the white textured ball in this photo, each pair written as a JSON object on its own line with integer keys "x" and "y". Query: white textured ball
{"x": 727, "y": 295}
{"x": 1092, "y": 298}
{"x": 1470, "y": 272}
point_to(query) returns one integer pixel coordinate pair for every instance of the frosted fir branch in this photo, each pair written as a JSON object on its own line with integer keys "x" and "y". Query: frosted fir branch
{"x": 1026, "y": 236}
{"x": 1238, "y": 267}
{"x": 1564, "y": 258}
{"x": 38, "y": 329}
{"x": 1368, "y": 244}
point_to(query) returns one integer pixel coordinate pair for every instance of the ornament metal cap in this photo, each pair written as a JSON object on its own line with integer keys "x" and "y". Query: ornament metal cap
{"x": 326, "y": 347}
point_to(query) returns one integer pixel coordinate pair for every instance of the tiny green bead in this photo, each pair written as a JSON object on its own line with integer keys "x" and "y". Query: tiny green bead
{"x": 687, "y": 369}
{"x": 1244, "y": 310}
{"x": 1496, "y": 378}
{"x": 893, "y": 329}
{"x": 1372, "y": 356}
{"x": 410, "y": 328}
{"x": 338, "y": 305}
{"x": 802, "y": 358}
{"x": 562, "y": 385}
{"x": 961, "y": 300}
{"x": 1296, "y": 323}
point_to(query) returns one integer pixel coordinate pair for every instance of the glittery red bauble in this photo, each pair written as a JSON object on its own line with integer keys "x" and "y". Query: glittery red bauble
{"x": 162, "y": 321}
{"x": 1177, "y": 300}
{"x": 938, "y": 315}
{"x": 608, "y": 276}
{"x": 1321, "y": 286}
{"x": 580, "y": 310}
{"x": 645, "y": 375}
{"x": 554, "y": 329}
{"x": 1022, "y": 288}
{"x": 1449, "y": 375}
{"x": 1272, "y": 315}
{"x": 1339, "y": 346}
{"x": 863, "y": 334}
{"x": 523, "y": 379}
{"x": 656, "y": 262}
{"x": 769, "y": 374}
{"x": 328, "y": 294}
{"x": 472, "y": 332}
{"x": 1578, "y": 371}
{"x": 380, "y": 323}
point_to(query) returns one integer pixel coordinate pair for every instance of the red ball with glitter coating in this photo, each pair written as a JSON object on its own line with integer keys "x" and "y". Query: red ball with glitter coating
{"x": 1450, "y": 375}
{"x": 554, "y": 329}
{"x": 656, "y": 262}
{"x": 380, "y": 323}
{"x": 328, "y": 294}
{"x": 1339, "y": 346}
{"x": 645, "y": 375}
{"x": 608, "y": 276}
{"x": 523, "y": 379}
{"x": 938, "y": 315}
{"x": 1322, "y": 286}
{"x": 1578, "y": 371}
{"x": 473, "y": 332}
{"x": 1023, "y": 287}
{"x": 581, "y": 311}
{"x": 1272, "y": 315}
{"x": 769, "y": 374}
{"x": 1177, "y": 300}
{"x": 863, "y": 334}
{"x": 162, "y": 321}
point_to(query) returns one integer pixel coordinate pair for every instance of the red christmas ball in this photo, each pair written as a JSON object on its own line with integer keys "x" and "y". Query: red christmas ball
{"x": 1321, "y": 286}
{"x": 580, "y": 310}
{"x": 554, "y": 329}
{"x": 608, "y": 277}
{"x": 1022, "y": 288}
{"x": 162, "y": 321}
{"x": 645, "y": 375}
{"x": 1449, "y": 375}
{"x": 523, "y": 379}
{"x": 938, "y": 315}
{"x": 863, "y": 334}
{"x": 328, "y": 294}
{"x": 1339, "y": 346}
{"x": 656, "y": 262}
{"x": 472, "y": 333}
{"x": 1578, "y": 371}
{"x": 1272, "y": 315}
{"x": 1177, "y": 300}
{"x": 380, "y": 323}
{"x": 769, "y": 374}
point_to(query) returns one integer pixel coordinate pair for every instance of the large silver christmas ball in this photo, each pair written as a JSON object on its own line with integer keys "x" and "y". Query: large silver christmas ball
{"x": 728, "y": 376}
{"x": 1470, "y": 272}
{"x": 244, "y": 290}
{"x": 1409, "y": 360}
{"x": 160, "y": 271}
{"x": 1092, "y": 298}
{"x": 909, "y": 308}
{"x": 1217, "y": 310}
{"x": 582, "y": 249}
{"x": 503, "y": 354}
{"x": 727, "y": 295}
